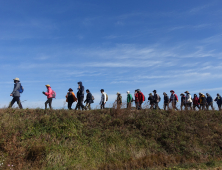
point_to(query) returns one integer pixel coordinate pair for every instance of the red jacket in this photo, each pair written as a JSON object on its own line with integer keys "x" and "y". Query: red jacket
{"x": 136, "y": 97}
{"x": 196, "y": 100}
{"x": 140, "y": 97}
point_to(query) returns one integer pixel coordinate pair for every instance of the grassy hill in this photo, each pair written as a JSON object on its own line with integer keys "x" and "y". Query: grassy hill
{"x": 109, "y": 139}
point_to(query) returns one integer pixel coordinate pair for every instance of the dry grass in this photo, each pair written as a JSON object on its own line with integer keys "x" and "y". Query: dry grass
{"x": 108, "y": 139}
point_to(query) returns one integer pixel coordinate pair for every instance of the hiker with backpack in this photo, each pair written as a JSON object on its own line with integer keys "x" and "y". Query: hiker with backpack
{"x": 119, "y": 100}
{"x": 173, "y": 99}
{"x": 195, "y": 102}
{"x": 202, "y": 102}
{"x": 129, "y": 99}
{"x": 16, "y": 93}
{"x": 50, "y": 94}
{"x": 156, "y": 99}
{"x": 70, "y": 98}
{"x": 151, "y": 100}
{"x": 104, "y": 99}
{"x": 218, "y": 100}
{"x": 209, "y": 101}
{"x": 89, "y": 100}
{"x": 166, "y": 101}
{"x": 183, "y": 101}
{"x": 141, "y": 99}
{"x": 80, "y": 96}
{"x": 188, "y": 100}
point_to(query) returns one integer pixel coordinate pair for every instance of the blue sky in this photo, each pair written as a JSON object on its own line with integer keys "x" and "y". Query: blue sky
{"x": 115, "y": 45}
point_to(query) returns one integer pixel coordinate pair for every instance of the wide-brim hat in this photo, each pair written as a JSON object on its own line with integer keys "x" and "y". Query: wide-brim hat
{"x": 181, "y": 94}
{"x": 118, "y": 93}
{"x": 47, "y": 85}
{"x": 186, "y": 92}
{"x": 172, "y": 91}
{"x": 70, "y": 89}
{"x": 16, "y": 79}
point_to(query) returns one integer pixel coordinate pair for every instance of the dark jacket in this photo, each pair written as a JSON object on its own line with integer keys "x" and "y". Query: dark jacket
{"x": 89, "y": 98}
{"x": 80, "y": 92}
{"x": 209, "y": 99}
{"x": 218, "y": 100}
{"x": 151, "y": 99}
{"x": 183, "y": 98}
{"x": 166, "y": 99}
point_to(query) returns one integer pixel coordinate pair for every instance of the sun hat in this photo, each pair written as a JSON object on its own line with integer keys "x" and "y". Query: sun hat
{"x": 70, "y": 89}
{"x": 186, "y": 92}
{"x": 172, "y": 91}
{"x": 181, "y": 94}
{"x": 47, "y": 85}
{"x": 128, "y": 92}
{"x": 150, "y": 94}
{"x": 118, "y": 93}
{"x": 16, "y": 79}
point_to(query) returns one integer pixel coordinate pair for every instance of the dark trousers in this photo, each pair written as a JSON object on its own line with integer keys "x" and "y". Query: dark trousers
{"x": 70, "y": 105}
{"x": 210, "y": 105}
{"x": 102, "y": 106}
{"x": 15, "y": 99}
{"x": 49, "y": 101}
{"x": 166, "y": 105}
{"x": 196, "y": 105}
{"x": 139, "y": 105}
{"x": 202, "y": 106}
{"x": 80, "y": 103}
{"x": 219, "y": 106}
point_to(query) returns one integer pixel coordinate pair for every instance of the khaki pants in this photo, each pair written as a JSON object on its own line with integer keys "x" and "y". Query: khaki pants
{"x": 87, "y": 106}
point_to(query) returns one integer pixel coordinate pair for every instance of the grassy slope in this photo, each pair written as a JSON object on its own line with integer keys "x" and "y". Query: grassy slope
{"x": 110, "y": 139}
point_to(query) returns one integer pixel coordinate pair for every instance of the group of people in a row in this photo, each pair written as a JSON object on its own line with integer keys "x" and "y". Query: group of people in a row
{"x": 202, "y": 102}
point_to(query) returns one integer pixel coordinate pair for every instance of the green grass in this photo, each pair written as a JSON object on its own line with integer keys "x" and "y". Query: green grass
{"x": 110, "y": 139}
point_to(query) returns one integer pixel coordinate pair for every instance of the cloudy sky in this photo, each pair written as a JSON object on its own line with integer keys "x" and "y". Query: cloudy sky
{"x": 116, "y": 45}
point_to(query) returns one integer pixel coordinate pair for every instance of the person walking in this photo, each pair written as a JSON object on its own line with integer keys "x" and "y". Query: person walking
{"x": 156, "y": 99}
{"x": 129, "y": 99}
{"x": 80, "y": 96}
{"x": 195, "y": 102}
{"x": 103, "y": 99}
{"x": 209, "y": 101}
{"x": 49, "y": 96}
{"x": 70, "y": 98}
{"x": 151, "y": 100}
{"x": 89, "y": 100}
{"x": 136, "y": 95}
{"x": 118, "y": 100}
{"x": 140, "y": 98}
{"x": 188, "y": 100}
{"x": 202, "y": 100}
{"x": 173, "y": 99}
{"x": 218, "y": 100}
{"x": 16, "y": 93}
{"x": 183, "y": 103}
{"x": 166, "y": 101}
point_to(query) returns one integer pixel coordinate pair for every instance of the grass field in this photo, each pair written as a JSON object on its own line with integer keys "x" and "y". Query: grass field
{"x": 110, "y": 139}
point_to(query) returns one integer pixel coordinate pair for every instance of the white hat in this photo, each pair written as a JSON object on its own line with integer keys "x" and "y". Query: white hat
{"x": 118, "y": 93}
{"x": 128, "y": 92}
{"x": 16, "y": 79}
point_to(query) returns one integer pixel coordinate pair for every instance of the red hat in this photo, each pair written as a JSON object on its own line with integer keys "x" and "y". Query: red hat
{"x": 172, "y": 91}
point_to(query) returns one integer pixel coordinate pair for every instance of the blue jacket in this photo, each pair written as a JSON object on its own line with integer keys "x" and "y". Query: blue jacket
{"x": 218, "y": 100}
{"x": 209, "y": 99}
{"x": 80, "y": 92}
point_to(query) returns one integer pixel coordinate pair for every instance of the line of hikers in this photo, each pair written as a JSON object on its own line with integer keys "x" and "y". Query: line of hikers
{"x": 202, "y": 102}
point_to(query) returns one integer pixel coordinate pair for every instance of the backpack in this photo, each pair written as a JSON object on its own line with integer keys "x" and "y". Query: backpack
{"x": 21, "y": 89}
{"x": 93, "y": 98}
{"x": 53, "y": 94}
{"x": 106, "y": 97}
